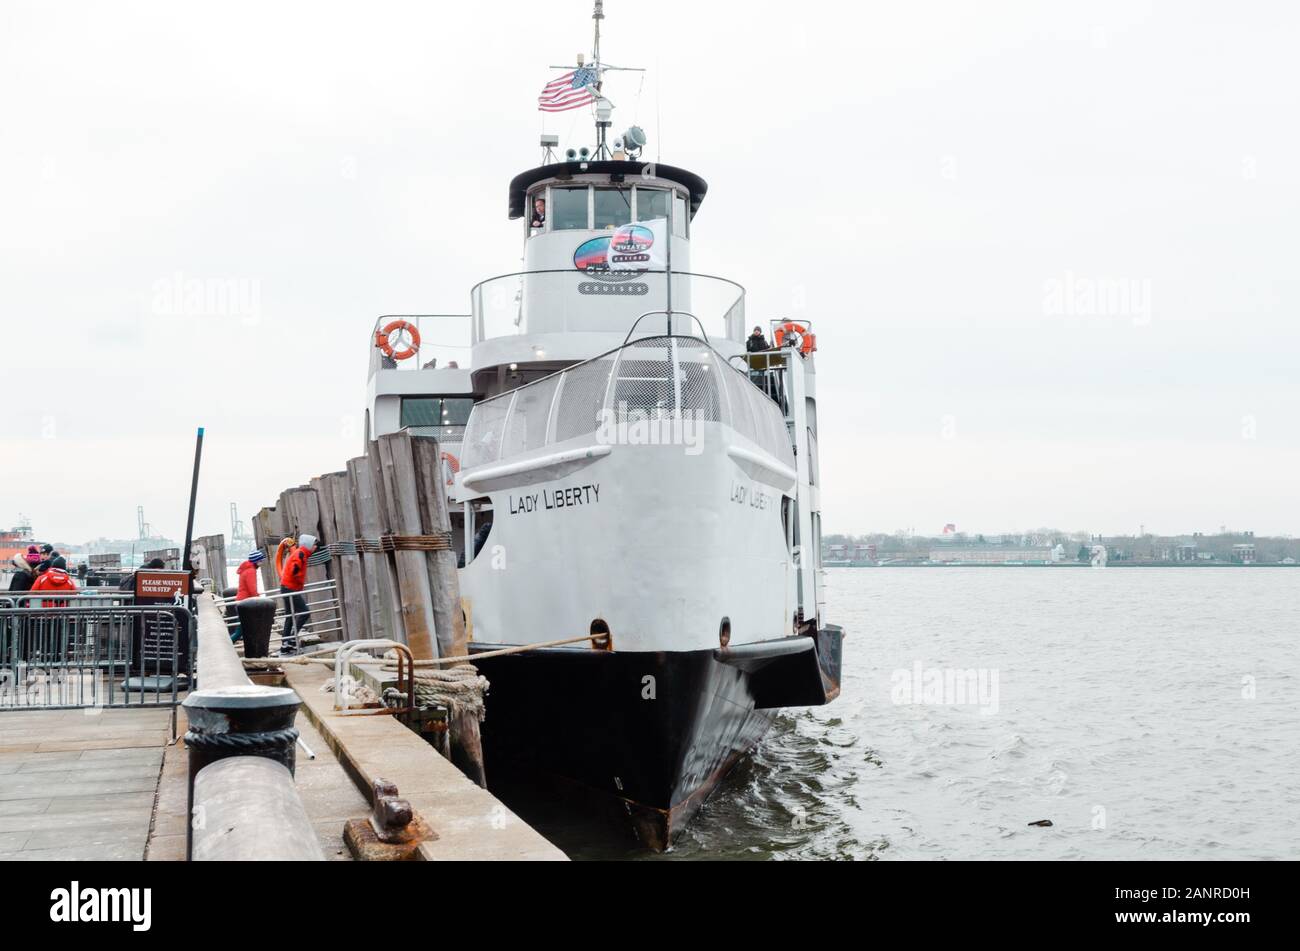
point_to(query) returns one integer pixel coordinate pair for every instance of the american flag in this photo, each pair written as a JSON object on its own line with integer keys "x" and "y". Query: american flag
{"x": 570, "y": 91}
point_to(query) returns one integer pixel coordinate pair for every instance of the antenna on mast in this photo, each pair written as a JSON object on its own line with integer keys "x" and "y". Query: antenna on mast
{"x": 604, "y": 108}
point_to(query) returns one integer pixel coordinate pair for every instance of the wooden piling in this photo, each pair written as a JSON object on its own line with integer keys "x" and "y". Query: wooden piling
{"x": 336, "y": 497}
{"x": 401, "y": 499}
{"x": 435, "y": 517}
{"x": 444, "y": 585}
{"x": 392, "y": 602}
{"x": 374, "y": 570}
{"x": 213, "y": 548}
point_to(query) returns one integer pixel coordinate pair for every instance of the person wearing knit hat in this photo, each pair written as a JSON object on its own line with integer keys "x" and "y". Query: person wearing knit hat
{"x": 24, "y": 569}
{"x": 247, "y": 572}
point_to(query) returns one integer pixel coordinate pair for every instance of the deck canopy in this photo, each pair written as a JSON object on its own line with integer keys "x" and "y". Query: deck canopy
{"x": 617, "y": 172}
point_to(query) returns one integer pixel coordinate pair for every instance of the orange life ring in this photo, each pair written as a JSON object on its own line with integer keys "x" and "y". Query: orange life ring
{"x": 808, "y": 341}
{"x": 383, "y": 343}
{"x": 280, "y": 549}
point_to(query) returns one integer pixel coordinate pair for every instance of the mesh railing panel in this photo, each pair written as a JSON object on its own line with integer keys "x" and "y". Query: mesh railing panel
{"x": 526, "y": 428}
{"x": 701, "y": 390}
{"x": 484, "y": 431}
{"x": 742, "y": 405}
{"x": 653, "y": 378}
{"x": 584, "y": 396}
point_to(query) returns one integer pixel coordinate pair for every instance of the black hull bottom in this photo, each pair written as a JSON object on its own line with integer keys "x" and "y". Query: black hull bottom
{"x": 656, "y": 731}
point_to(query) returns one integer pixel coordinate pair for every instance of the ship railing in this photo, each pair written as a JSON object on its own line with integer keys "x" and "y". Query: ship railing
{"x": 89, "y": 654}
{"x": 645, "y": 382}
{"x": 444, "y": 340}
{"x": 584, "y": 301}
{"x": 324, "y": 616}
{"x": 768, "y": 370}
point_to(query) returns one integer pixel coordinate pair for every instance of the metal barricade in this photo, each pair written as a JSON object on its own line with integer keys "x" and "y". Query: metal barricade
{"x": 98, "y": 654}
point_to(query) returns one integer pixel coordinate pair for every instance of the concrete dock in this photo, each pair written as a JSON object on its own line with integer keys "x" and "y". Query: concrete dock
{"x": 112, "y": 784}
{"x": 79, "y": 784}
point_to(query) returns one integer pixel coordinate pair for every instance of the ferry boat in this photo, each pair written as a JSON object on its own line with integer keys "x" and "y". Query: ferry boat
{"x": 16, "y": 540}
{"x": 617, "y": 463}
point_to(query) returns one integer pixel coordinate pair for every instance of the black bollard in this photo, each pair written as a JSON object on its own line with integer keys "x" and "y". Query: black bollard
{"x": 241, "y": 720}
{"x": 256, "y": 616}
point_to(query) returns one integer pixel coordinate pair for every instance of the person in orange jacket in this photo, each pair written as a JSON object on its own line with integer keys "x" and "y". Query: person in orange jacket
{"x": 55, "y": 578}
{"x": 247, "y": 572}
{"x": 293, "y": 576}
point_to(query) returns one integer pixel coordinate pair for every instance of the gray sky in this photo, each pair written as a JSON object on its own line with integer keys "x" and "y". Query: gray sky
{"x": 1049, "y": 249}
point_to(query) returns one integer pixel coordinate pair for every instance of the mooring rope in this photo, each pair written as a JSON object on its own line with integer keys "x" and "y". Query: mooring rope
{"x": 324, "y": 654}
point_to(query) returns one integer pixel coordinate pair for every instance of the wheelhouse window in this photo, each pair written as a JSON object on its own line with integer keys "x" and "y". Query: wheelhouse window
{"x": 537, "y": 212}
{"x": 651, "y": 203}
{"x": 569, "y": 209}
{"x": 613, "y": 208}
{"x": 422, "y": 411}
{"x": 680, "y": 217}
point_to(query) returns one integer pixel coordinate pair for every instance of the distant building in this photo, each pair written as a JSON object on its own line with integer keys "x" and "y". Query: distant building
{"x": 1185, "y": 553}
{"x": 996, "y": 555}
{"x": 1243, "y": 554}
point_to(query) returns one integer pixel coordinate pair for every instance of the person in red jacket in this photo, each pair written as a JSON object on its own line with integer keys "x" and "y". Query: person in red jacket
{"x": 55, "y": 578}
{"x": 247, "y": 585}
{"x": 248, "y": 576}
{"x": 293, "y": 576}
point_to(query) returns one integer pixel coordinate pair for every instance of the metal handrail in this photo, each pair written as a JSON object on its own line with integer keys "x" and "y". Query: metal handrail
{"x": 670, "y": 314}
{"x": 779, "y": 443}
{"x": 629, "y": 273}
{"x": 476, "y": 292}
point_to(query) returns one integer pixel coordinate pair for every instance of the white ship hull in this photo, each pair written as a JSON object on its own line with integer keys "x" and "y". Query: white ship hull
{"x": 665, "y": 544}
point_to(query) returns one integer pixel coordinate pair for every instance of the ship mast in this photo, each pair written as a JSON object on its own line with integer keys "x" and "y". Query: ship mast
{"x": 604, "y": 108}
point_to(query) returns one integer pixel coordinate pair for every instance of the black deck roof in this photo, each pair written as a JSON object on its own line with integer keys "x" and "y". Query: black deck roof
{"x": 618, "y": 171}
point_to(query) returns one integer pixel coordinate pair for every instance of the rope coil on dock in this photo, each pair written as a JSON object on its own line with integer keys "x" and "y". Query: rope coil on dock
{"x": 271, "y": 741}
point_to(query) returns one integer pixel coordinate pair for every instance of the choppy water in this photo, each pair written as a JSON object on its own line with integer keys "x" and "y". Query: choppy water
{"x": 1123, "y": 715}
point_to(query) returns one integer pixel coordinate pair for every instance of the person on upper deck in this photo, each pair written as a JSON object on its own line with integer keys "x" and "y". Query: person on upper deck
{"x": 756, "y": 342}
{"x": 539, "y": 214}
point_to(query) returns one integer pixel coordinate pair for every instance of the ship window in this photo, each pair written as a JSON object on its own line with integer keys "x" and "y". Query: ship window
{"x": 568, "y": 211}
{"x": 537, "y": 212}
{"x": 613, "y": 207}
{"x": 679, "y": 215}
{"x": 435, "y": 411}
{"x": 456, "y": 410}
{"x": 651, "y": 203}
